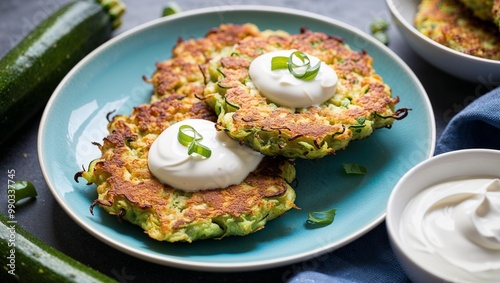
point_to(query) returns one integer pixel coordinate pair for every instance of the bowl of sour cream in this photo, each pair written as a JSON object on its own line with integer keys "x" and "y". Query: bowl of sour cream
{"x": 443, "y": 218}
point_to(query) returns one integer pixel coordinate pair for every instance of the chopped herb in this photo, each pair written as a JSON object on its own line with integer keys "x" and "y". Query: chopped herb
{"x": 354, "y": 169}
{"x": 378, "y": 29}
{"x": 345, "y": 102}
{"x": 22, "y": 190}
{"x": 361, "y": 120}
{"x": 192, "y": 142}
{"x": 379, "y": 25}
{"x": 382, "y": 37}
{"x": 298, "y": 64}
{"x": 279, "y": 62}
{"x": 171, "y": 8}
{"x": 360, "y": 124}
{"x": 322, "y": 217}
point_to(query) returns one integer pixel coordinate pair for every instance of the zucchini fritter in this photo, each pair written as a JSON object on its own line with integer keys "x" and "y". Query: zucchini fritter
{"x": 451, "y": 24}
{"x": 126, "y": 188}
{"x": 488, "y": 10}
{"x": 361, "y": 104}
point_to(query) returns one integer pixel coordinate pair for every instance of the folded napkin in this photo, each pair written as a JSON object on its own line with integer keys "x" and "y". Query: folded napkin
{"x": 476, "y": 126}
{"x": 370, "y": 258}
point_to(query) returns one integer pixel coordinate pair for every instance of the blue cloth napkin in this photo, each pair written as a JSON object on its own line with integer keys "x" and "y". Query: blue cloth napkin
{"x": 476, "y": 126}
{"x": 370, "y": 258}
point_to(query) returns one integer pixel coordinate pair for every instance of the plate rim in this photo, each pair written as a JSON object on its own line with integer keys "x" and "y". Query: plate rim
{"x": 225, "y": 267}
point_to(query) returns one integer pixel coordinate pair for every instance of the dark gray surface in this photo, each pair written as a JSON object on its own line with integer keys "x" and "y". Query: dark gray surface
{"x": 44, "y": 217}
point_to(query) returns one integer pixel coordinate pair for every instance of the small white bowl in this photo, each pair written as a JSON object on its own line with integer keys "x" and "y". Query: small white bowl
{"x": 461, "y": 65}
{"x": 462, "y": 163}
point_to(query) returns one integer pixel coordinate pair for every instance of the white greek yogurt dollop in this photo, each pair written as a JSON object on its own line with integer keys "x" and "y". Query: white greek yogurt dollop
{"x": 283, "y": 88}
{"x": 453, "y": 228}
{"x": 229, "y": 163}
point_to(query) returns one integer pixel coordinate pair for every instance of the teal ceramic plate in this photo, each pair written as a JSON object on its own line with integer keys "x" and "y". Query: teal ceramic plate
{"x": 110, "y": 79}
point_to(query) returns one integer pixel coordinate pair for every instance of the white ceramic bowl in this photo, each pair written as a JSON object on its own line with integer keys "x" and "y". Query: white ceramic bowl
{"x": 461, "y": 163}
{"x": 464, "y": 66}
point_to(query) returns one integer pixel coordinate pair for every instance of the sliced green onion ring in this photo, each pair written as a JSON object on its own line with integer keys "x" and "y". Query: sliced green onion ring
{"x": 279, "y": 62}
{"x": 293, "y": 67}
{"x": 322, "y": 217}
{"x": 302, "y": 70}
{"x": 311, "y": 72}
{"x": 171, "y": 8}
{"x": 192, "y": 141}
{"x": 361, "y": 123}
{"x": 354, "y": 169}
{"x": 22, "y": 190}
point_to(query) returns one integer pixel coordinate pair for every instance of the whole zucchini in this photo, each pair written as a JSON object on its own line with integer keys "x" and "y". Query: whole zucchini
{"x": 25, "y": 258}
{"x": 31, "y": 71}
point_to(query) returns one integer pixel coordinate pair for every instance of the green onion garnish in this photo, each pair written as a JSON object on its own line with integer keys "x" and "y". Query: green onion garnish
{"x": 192, "y": 141}
{"x": 345, "y": 102}
{"x": 361, "y": 120}
{"x": 302, "y": 70}
{"x": 322, "y": 217}
{"x": 379, "y": 25}
{"x": 382, "y": 37}
{"x": 171, "y": 8}
{"x": 279, "y": 62}
{"x": 378, "y": 29}
{"x": 22, "y": 190}
{"x": 359, "y": 126}
{"x": 354, "y": 169}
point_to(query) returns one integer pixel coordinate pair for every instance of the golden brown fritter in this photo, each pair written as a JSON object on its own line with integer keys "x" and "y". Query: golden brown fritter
{"x": 361, "y": 104}
{"x": 186, "y": 71}
{"x": 126, "y": 188}
{"x": 451, "y": 24}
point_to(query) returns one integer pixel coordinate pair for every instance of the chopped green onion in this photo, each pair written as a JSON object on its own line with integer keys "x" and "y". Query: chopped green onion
{"x": 379, "y": 25}
{"x": 361, "y": 120}
{"x": 361, "y": 123}
{"x": 354, "y": 169}
{"x": 378, "y": 29}
{"x": 192, "y": 141}
{"x": 322, "y": 217}
{"x": 292, "y": 67}
{"x": 279, "y": 62}
{"x": 311, "y": 72}
{"x": 22, "y": 190}
{"x": 171, "y": 8}
{"x": 302, "y": 70}
{"x": 382, "y": 37}
{"x": 345, "y": 102}
{"x": 302, "y": 57}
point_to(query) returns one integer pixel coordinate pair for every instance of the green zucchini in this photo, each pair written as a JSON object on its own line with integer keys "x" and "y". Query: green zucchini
{"x": 25, "y": 258}
{"x": 31, "y": 71}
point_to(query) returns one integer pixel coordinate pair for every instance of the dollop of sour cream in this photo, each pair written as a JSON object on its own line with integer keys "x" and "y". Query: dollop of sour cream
{"x": 229, "y": 164}
{"x": 453, "y": 228}
{"x": 283, "y": 88}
